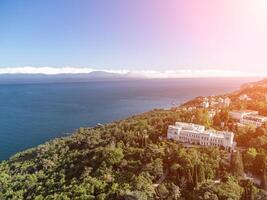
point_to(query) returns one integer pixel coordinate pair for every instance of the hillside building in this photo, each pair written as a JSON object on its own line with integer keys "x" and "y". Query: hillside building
{"x": 253, "y": 120}
{"x": 239, "y": 114}
{"x": 244, "y": 97}
{"x": 248, "y": 117}
{"x": 216, "y": 102}
{"x": 196, "y": 134}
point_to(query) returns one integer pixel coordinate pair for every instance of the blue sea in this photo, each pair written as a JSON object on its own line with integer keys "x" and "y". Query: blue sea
{"x": 31, "y": 114}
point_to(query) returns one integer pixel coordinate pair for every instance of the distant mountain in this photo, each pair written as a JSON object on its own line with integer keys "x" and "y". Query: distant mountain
{"x": 61, "y": 78}
{"x": 102, "y": 74}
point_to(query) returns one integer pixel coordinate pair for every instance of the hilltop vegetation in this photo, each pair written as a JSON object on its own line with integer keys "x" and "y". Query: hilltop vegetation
{"x": 110, "y": 162}
{"x": 132, "y": 159}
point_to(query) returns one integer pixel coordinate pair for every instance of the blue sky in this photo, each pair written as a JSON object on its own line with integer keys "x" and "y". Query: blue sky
{"x": 134, "y": 35}
{"x": 58, "y": 33}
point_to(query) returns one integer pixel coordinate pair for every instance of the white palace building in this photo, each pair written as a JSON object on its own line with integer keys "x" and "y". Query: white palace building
{"x": 196, "y": 134}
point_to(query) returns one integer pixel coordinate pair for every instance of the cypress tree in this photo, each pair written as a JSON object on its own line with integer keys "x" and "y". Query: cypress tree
{"x": 237, "y": 167}
{"x": 201, "y": 173}
{"x": 195, "y": 176}
{"x": 264, "y": 180}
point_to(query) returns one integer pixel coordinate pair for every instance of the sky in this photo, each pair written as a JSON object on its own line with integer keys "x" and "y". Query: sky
{"x": 134, "y": 35}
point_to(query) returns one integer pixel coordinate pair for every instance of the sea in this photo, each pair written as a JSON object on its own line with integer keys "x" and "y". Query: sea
{"x": 33, "y": 113}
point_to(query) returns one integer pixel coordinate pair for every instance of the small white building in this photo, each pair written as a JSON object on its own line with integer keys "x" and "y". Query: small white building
{"x": 212, "y": 113}
{"x": 227, "y": 101}
{"x": 248, "y": 117}
{"x": 244, "y": 97}
{"x": 220, "y": 100}
{"x": 196, "y": 134}
{"x": 205, "y": 104}
{"x": 253, "y": 120}
{"x": 239, "y": 114}
{"x": 216, "y": 102}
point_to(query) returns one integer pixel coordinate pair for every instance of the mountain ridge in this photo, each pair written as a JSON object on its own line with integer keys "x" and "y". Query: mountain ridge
{"x": 61, "y": 78}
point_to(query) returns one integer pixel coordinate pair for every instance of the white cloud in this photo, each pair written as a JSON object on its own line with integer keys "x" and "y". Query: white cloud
{"x": 133, "y": 73}
{"x": 196, "y": 73}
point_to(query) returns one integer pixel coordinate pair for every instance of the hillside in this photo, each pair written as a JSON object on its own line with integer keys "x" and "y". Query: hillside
{"x": 132, "y": 159}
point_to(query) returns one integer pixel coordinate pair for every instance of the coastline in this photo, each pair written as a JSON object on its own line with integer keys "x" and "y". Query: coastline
{"x": 135, "y": 151}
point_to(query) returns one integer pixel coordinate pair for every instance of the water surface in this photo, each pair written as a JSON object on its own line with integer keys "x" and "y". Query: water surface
{"x": 31, "y": 114}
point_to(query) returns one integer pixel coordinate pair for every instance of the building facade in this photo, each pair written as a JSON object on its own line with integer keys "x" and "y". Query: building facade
{"x": 248, "y": 117}
{"x": 240, "y": 114}
{"x": 215, "y": 102}
{"x": 196, "y": 134}
{"x": 253, "y": 120}
{"x": 244, "y": 97}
